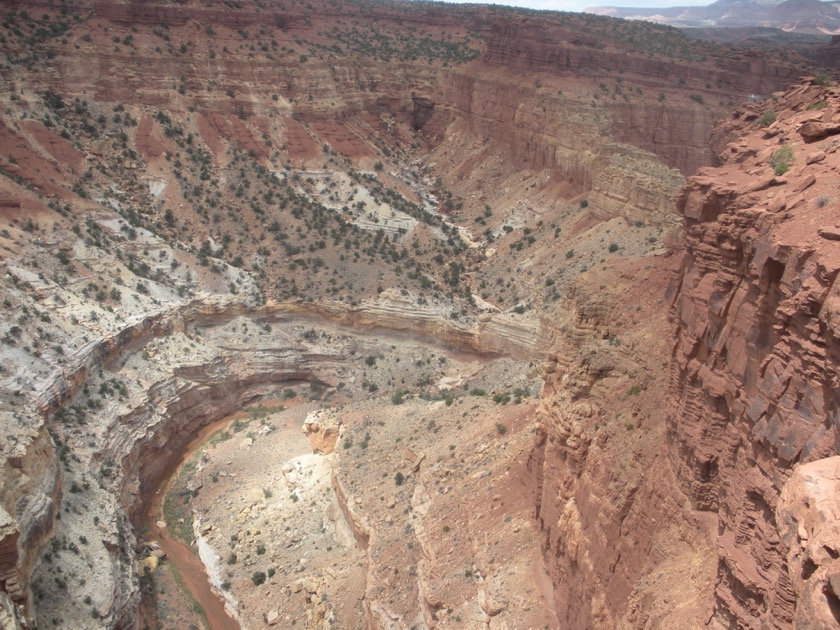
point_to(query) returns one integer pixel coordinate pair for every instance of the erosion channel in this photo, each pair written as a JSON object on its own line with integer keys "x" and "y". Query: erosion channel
{"x": 193, "y": 591}
{"x": 322, "y": 498}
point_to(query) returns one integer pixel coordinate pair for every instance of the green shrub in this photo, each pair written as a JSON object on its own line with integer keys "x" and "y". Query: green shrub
{"x": 767, "y": 118}
{"x": 258, "y": 578}
{"x": 821, "y": 79}
{"x": 501, "y": 398}
{"x": 782, "y": 160}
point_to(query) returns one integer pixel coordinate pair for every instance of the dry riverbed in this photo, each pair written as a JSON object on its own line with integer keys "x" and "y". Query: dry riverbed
{"x": 340, "y": 508}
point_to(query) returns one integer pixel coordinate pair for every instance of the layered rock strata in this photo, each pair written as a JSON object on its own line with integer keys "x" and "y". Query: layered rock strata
{"x": 753, "y": 381}
{"x": 199, "y": 363}
{"x": 622, "y": 545}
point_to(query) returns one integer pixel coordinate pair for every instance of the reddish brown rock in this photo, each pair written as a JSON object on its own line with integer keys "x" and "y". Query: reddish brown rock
{"x": 808, "y": 514}
{"x": 813, "y": 131}
{"x": 753, "y": 372}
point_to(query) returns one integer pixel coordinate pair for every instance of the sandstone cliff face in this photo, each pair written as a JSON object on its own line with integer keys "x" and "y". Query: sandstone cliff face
{"x": 494, "y": 95}
{"x": 623, "y": 546}
{"x": 676, "y": 132}
{"x": 753, "y": 381}
{"x": 739, "y": 505}
{"x": 30, "y": 499}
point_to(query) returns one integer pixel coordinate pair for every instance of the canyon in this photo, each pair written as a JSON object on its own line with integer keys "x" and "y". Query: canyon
{"x": 406, "y": 315}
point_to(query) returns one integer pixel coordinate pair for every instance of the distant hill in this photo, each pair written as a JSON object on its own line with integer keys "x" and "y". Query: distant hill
{"x": 792, "y": 16}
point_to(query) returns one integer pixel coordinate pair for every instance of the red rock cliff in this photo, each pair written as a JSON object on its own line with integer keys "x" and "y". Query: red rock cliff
{"x": 719, "y": 508}
{"x": 753, "y": 383}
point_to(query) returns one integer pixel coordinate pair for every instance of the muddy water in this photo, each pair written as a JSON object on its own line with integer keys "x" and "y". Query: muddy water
{"x": 185, "y": 559}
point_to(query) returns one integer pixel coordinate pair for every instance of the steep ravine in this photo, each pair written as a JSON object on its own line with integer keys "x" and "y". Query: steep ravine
{"x": 200, "y": 363}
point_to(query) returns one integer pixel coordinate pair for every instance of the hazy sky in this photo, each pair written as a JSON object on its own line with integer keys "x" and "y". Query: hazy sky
{"x": 579, "y": 5}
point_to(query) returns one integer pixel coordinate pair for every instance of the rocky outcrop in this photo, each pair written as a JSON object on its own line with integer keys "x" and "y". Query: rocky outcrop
{"x": 808, "y": 517}
{"x": 504, "y": 334}
{"x": 30, "y": 499}
{"x": 753, "y": 377}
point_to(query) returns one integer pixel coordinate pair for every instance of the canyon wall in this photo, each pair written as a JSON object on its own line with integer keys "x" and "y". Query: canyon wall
{"x": 672, "y": 128}
{"x": 740, "y": 501}
{"x": 754, "y": 369}
{"x": 623, "y": 546}
{"x": 533, "y": 90}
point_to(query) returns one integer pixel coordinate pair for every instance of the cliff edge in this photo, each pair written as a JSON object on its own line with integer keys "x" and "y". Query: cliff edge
{"x": 753, "y": 382}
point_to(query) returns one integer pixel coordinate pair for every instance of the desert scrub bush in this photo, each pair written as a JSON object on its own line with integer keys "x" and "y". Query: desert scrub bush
{"x": 501, "y": 398}
{"x": 782, "y": 160}
{"x": 821, "y": 79}
{"x": 258, "y": 578}
{"x": 767, "y": 118}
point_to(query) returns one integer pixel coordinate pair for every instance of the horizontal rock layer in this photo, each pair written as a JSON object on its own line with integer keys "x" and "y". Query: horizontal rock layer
{"x": 180, "y": 391}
